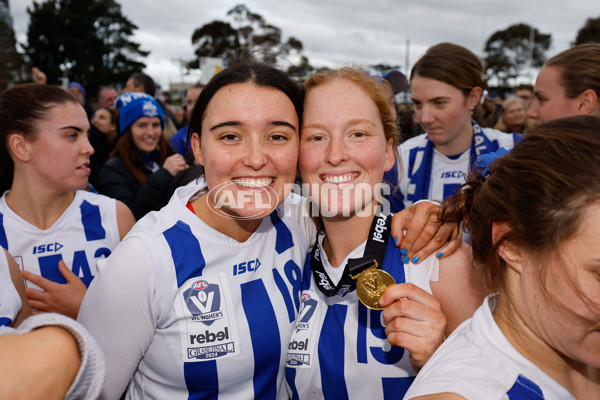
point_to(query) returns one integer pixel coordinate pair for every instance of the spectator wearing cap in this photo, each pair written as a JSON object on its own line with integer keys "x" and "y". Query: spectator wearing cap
{"x": 76, "y": 90}
{"x": 142, "y": 164}
{"x": 140, "y": 82}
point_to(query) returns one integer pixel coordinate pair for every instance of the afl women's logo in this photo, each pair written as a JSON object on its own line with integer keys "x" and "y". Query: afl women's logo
{"x": 199, "y": 285}
{"x": 305, "y": 297}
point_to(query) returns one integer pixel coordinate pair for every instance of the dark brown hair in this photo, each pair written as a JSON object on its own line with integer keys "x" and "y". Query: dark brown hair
{"x": 459, "y": 67}
{"x": 579, "y": 69}
{"x": 540, "y": 190}
{"x": 21, "y": 108}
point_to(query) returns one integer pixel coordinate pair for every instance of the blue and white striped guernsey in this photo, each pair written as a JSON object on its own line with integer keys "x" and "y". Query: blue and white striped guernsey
{"x": 217, "y": 313}
{"x": 478, "y": 362}
{"x": 339, "y": 349}
{"x": 86, "y": 232}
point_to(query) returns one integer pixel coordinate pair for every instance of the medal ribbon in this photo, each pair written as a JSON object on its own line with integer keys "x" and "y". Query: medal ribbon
{"x": 374, "y": 251}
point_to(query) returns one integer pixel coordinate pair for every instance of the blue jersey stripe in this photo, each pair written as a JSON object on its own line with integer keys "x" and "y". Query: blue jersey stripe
{"x": 307, "y": 274}
{"x": 284, "y": 236}
{"x": 290, "y": 377}
{"x": 289, "y": 304}
{"x": 264, "y": 334}
{"x": 524, "y": 389}
{"x": 201, "y": 378}
{"x": 92, "y": 221}
{"x": 3, "y": 239}
{"x": 331, "y": 353}
{"x": 186, "y": 252}
{"x": 395, "y": 388}
{"x": 5, "y": 321}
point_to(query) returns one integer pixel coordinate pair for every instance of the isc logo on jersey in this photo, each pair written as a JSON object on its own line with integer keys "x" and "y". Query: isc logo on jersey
{"x": 47, "y": 248}
{"x": 203, "y": 300}
{"x": 246, "y": 266}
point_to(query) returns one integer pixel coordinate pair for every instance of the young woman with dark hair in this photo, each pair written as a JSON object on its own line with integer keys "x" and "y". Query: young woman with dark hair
{"x": 53, "y": 228}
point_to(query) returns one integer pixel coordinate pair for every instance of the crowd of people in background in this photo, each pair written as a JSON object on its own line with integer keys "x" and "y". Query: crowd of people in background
{"x": 121, "y": 213}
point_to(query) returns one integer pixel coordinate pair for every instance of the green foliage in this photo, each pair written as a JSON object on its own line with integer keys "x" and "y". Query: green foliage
{"x": 510, "y": 50}
{"x": 12, "y": 61}
{"x": 84, "y": 40}
{"x": 589, "y": 33}
{"x": 246, "y": 32}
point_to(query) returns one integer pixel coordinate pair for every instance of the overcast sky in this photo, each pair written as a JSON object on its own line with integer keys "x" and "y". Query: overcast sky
{"x": 336, "y": 32}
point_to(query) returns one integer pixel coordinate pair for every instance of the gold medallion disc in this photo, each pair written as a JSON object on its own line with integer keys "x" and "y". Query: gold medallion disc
{"x": 370, "y": 285}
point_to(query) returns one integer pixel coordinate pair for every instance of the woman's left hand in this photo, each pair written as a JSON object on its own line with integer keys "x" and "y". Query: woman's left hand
{"x": 424, "y": 233}
{"x": 413, "y": 320}
{"x": 56, "y": 297}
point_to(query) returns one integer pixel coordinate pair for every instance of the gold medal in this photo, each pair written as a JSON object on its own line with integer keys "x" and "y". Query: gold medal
{"x": 370, "y": 285}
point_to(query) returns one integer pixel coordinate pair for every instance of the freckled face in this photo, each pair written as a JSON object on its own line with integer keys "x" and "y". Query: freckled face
{"x": 343, "y": 150}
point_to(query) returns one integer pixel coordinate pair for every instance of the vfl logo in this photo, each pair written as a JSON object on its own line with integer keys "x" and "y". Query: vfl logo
{"x": 307, "y": 310}
{"x": 203, "y": 300}
{"x": 246, "y": 266}
{"x": 47, "y": 248}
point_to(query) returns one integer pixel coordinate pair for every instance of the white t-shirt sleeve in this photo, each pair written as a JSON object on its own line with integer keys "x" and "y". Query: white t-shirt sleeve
{"x": 120, "y": 300}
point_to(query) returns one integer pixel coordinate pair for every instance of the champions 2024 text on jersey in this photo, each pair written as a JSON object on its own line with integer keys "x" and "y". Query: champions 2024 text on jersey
{"x": 339, "y": 349}
{"x": 191, "y": 313}
{"x": 86, "y": 232}
{"x": 478, "y": 362}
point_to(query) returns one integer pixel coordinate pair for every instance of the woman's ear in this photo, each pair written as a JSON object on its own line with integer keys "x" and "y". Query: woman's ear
{"x": 390, "y": 158}
{"x": 508, "y": 251}
{"x": 19, "y": 147}
{"x": 474, "y": 97}
{"x": 197, "y": 149}
{"x": 588, "y": 102}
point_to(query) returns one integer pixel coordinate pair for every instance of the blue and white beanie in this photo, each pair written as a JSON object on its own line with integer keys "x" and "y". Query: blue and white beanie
{"x": 135, "y": 105}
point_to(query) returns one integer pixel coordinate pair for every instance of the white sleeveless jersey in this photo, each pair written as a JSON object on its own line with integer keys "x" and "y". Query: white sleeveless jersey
{"x": 10, "y": 302}
{"x": 217, "y": 314}
{"x": 339, "y": 349}
{"x": 478, "y": 362}
{"x": 446, "y": 174}
{"x": 86, "y": 232}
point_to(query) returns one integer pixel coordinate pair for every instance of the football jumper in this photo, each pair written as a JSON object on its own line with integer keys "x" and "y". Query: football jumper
{"x": 192, "y": 313}
{"x": 86, "y": 232}
{"x": 478, "y": 362}
{"x": 443, "y": 175}
{"x": 339, "y": 349}
{"x": 10, "y": 301}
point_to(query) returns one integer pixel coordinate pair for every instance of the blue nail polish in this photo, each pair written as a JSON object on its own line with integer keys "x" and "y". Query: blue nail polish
{"x": 396, "y": 240}
{"x": 405, "y": 260}
{"x": 403, "y": 252}
{"x": 440, "y": 255}
{"x": 415, "y": 260}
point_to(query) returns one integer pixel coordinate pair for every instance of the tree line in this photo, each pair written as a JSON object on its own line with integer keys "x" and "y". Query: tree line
{"x": 90, "y": 41}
